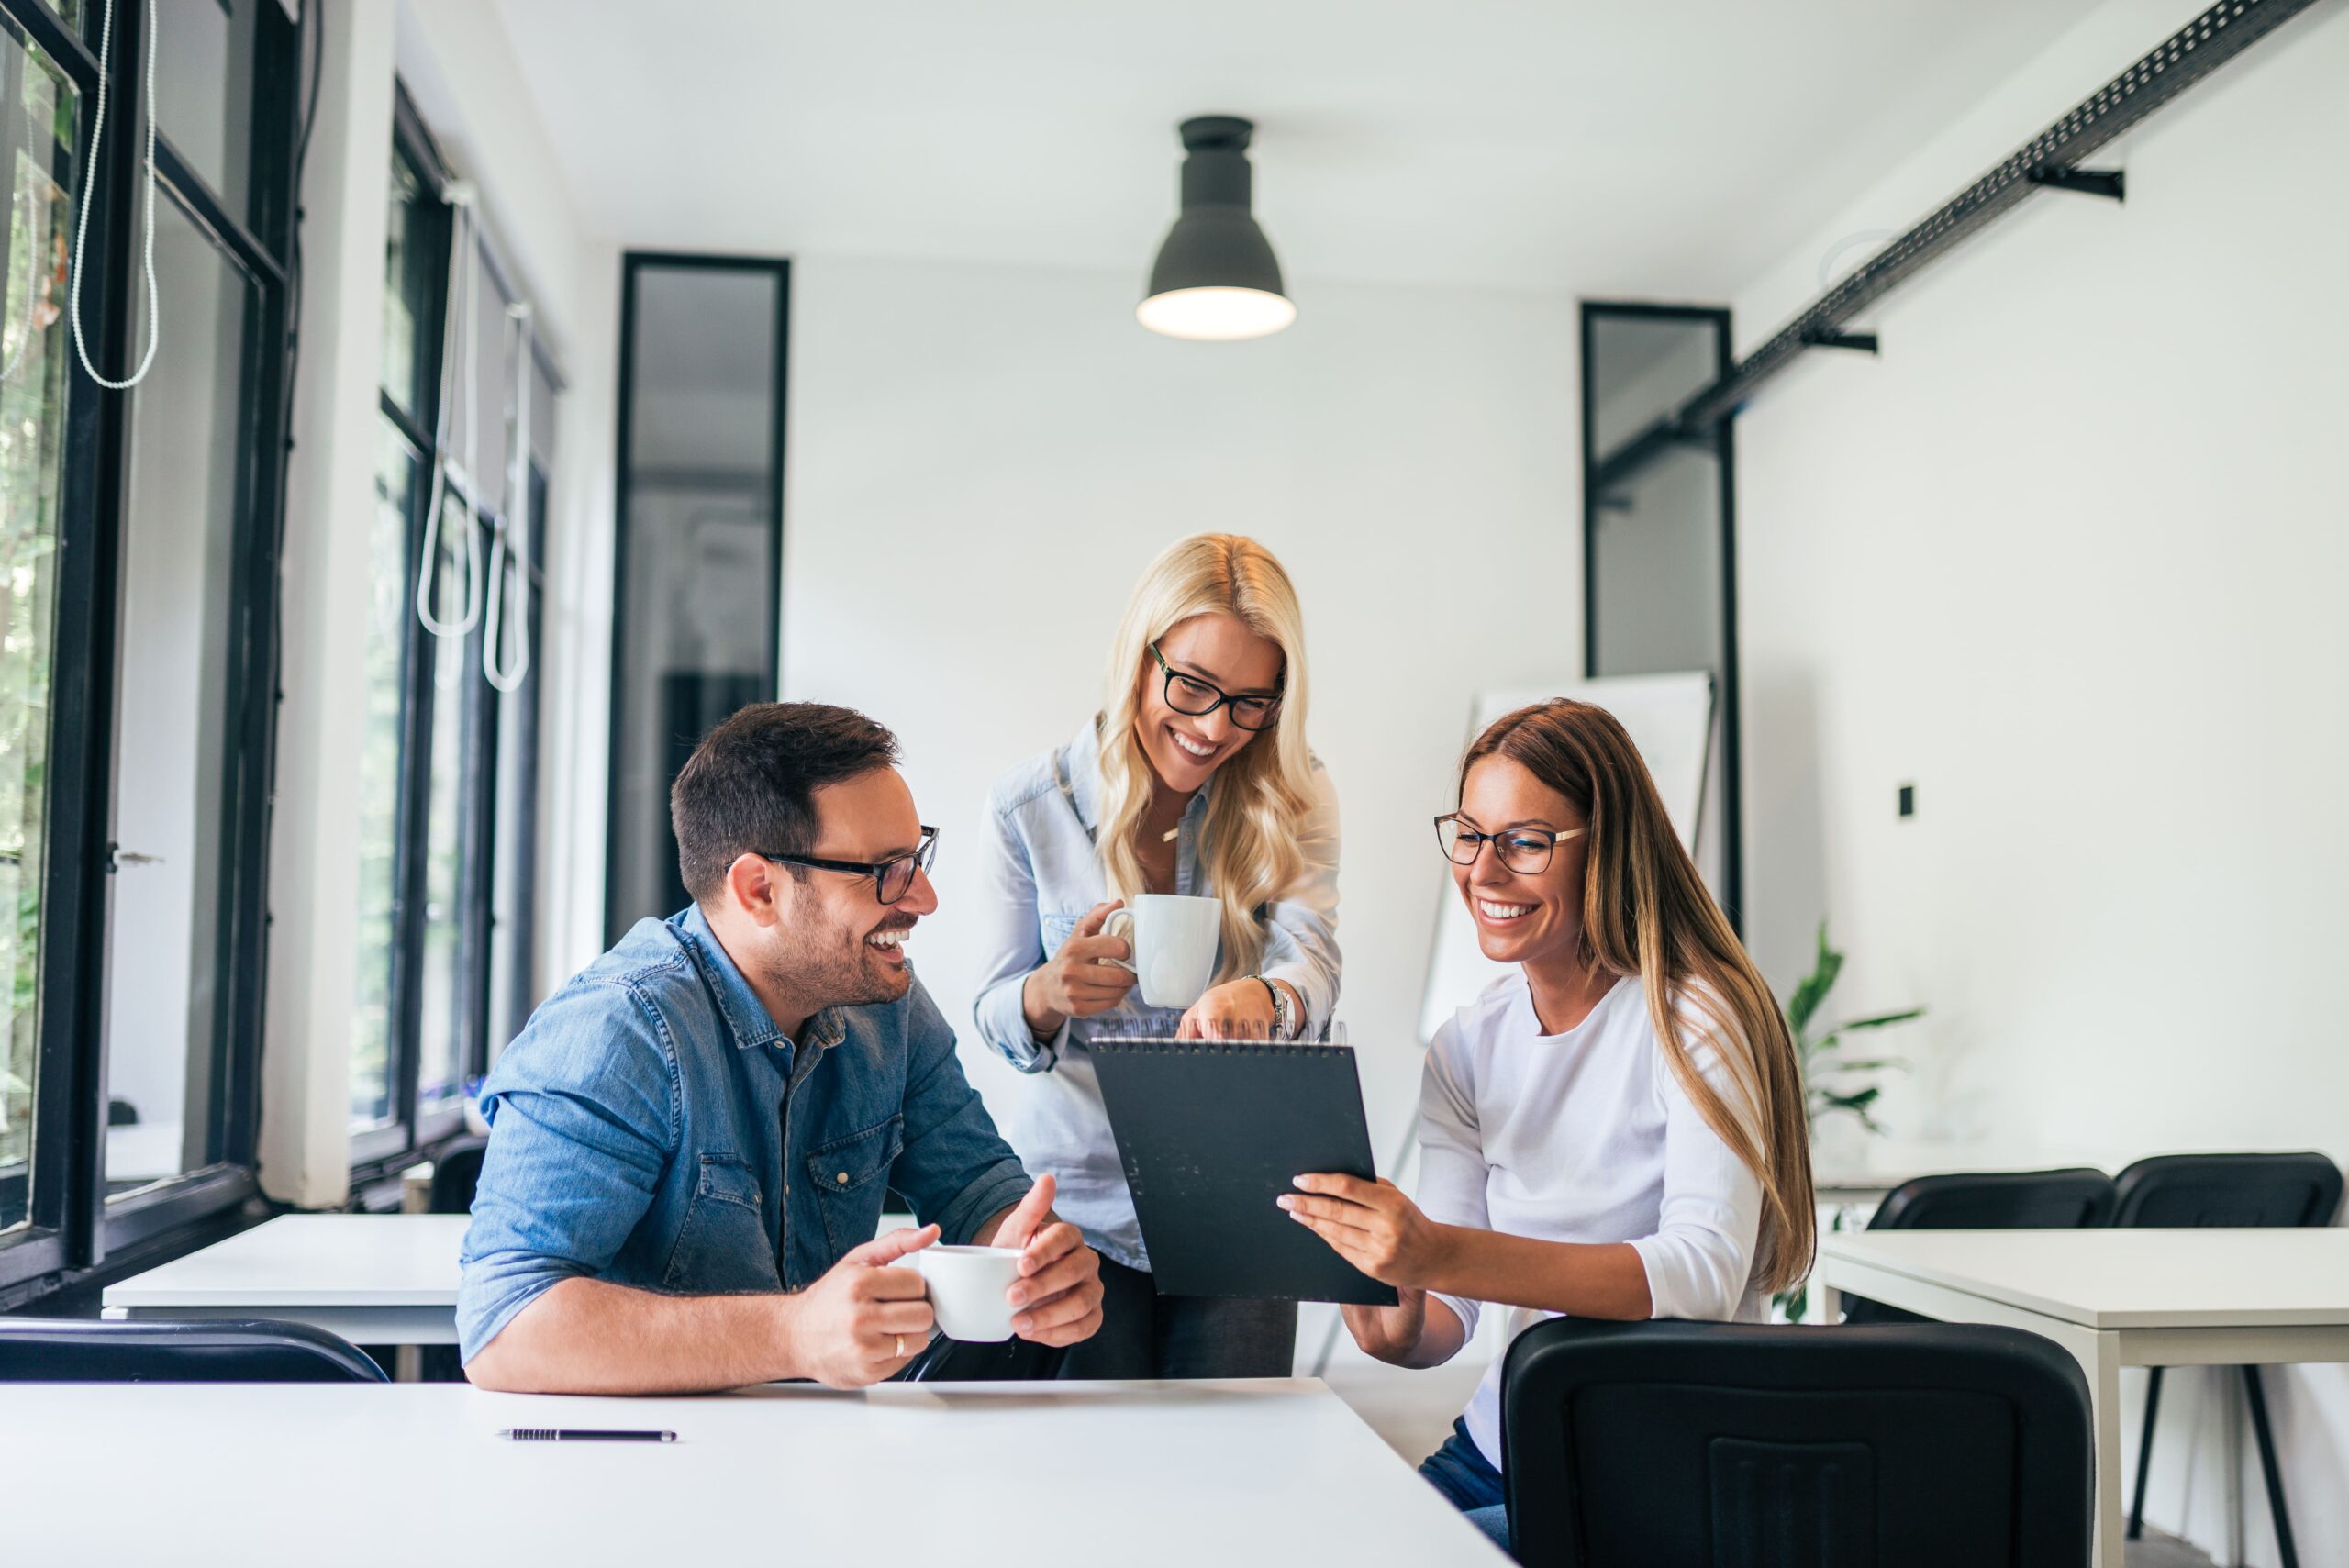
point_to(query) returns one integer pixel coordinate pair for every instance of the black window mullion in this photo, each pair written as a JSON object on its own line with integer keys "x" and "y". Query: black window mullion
{"x": 82, "y": 716}
{"x": 476, "y": 855}
{"x": 411, "y": 843}
{"x": 55, "y": 1231}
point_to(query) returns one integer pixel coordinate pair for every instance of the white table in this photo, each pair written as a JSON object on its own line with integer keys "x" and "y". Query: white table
{"x": 375, "y": 1279}
{"x": 2115, "y": 1298}
{"x": 969, "y": 1474}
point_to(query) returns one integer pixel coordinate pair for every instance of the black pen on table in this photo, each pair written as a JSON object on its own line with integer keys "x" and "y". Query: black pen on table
{"x": 583, "y": 1435}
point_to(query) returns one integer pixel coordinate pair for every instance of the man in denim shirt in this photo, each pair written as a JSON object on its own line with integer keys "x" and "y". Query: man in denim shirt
{"x": 690, "y": 1142}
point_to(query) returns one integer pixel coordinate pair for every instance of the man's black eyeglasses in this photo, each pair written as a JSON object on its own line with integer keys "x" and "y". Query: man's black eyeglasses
{"x": 891, "y": 878}
{"x": 1194, "y": 698}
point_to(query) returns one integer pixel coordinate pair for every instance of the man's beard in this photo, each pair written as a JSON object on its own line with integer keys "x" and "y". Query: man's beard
{"x": 835, "y": 968}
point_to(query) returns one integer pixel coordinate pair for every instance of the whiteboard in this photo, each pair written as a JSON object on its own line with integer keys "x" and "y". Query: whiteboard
{"x": 1670, "y": 718}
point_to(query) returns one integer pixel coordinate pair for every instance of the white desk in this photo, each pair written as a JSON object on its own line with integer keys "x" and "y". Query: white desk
{"x": 2115, "y": 1298}
{"x": 375, "y": 1279}
{"x": 971, "y": 1475}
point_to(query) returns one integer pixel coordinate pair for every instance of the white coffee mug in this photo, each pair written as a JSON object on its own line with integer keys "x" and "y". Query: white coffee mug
{"x": 1174, "y": 941}
{"x": 968, "y": 1288}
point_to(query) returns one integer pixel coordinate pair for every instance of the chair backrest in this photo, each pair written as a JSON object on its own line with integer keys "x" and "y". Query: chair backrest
{"x": 82, "y": 1349}
{"x": 456, "y": 1171}
{"x": 2184, "y": 1190}
{"x": 2068, "y": 1199}
{"x": 958, "y": 1361}
{"x": 1985, "y": 1200}
{"x": 1734, "y": 1445}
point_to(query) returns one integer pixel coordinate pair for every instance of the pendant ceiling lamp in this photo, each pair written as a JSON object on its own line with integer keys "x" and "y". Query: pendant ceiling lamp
{"x": 1215, "y": 278}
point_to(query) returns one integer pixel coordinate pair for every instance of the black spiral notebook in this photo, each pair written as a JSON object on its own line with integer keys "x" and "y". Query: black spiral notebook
{"x": 1210, "y": 1132}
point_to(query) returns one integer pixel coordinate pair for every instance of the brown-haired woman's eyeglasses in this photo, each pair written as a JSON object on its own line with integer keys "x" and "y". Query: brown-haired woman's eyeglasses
{"x": 1525, "y": 851}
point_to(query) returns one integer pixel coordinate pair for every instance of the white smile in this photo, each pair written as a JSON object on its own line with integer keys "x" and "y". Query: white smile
{"x": 1492, "y": 911}
{"x": 1191, "y": 747}
{"x": 890, "y": 940}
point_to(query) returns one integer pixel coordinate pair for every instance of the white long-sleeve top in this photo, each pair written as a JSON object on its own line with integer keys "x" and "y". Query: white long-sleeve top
{"x": 1586, "y": 1136}
{"x": 1040, "y": 874}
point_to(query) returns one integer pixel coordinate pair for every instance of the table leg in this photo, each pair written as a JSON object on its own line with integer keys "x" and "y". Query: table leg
{"x": 1830, "y": 1303}
{"x": 2099, "y": 1358}
{"x": 2230, "y": 1403}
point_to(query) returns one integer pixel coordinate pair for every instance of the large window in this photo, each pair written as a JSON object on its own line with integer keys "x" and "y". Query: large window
{"x": 1659, "y": 535}
{"x": 138, "y": 570}
{"x": 449, "y": 766}
{"x": 698, "y": 580}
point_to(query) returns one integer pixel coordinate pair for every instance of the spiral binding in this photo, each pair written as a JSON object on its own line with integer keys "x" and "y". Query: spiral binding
{"x": 1161, "y": 1028}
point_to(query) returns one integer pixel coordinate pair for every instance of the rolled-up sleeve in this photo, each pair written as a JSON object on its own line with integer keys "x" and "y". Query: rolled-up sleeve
{"x": 583, "y": 1119}
{"x": 1301, "y": 930}
{"x": 1452, "y": 1168}
{"x": 955, "y": 1168}
{"x": 1010, "y": 942}
{"x": 1700, "y": 1258}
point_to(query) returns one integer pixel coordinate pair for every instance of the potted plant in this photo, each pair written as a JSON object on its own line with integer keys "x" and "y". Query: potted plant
{"x": 1833, "y": 1082}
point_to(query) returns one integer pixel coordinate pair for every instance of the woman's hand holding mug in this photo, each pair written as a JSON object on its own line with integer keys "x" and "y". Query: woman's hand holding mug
{"x": 1075, "y": 983}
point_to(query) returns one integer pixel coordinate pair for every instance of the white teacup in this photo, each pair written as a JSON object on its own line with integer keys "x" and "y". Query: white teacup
{"x": 1173, "y": 941}
{"x": 968, "y": 1288}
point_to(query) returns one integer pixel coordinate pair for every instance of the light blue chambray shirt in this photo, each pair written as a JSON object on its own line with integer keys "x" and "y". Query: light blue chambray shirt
{"x": 652, "y": 1127}
{"x": 1041, "y": 875}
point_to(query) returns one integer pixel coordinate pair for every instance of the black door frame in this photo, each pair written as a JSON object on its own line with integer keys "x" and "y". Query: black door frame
{"x": 1723, "y": 442}
{"x": 632, "y": 264}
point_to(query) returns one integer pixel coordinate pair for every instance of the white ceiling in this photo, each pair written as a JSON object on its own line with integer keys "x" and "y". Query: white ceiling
{"x": 1662, "y": 150}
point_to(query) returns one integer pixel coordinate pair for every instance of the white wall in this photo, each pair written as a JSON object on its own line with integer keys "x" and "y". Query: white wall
{"x": 982, "y": 459}
{"x": 2068, "y": 557}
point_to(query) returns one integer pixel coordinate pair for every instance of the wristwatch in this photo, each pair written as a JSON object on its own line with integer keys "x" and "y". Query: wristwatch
{"x": 1284, "y": 1024}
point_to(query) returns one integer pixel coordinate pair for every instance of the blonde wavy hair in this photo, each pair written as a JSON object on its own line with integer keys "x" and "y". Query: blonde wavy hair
{"x": 1645, "y": 911}
{"x": 1259, "y": 797}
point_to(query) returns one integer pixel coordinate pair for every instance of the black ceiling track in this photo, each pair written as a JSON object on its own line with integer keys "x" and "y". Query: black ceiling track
{"x": 2049, "y": 160}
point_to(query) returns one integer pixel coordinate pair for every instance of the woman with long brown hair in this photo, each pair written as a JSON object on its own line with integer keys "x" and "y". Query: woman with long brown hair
{"x": 1616, "y": 1129}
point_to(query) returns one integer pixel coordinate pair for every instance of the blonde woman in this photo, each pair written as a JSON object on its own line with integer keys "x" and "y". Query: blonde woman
{"x": 1614, "y": 1130}
{"x": 1193, "y": 779}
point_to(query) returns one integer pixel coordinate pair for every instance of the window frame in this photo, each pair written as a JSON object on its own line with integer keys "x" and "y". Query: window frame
{"x": 632, "y": 264}
{"x": 1723, "y": 443}
{"x": 407, "y": 1134}
{"x": 72, "y": 1224}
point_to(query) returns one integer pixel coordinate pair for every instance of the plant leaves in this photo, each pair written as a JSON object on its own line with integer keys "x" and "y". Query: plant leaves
{"x": 1814, "y": 987}
{"x": 1881, "y": 1019}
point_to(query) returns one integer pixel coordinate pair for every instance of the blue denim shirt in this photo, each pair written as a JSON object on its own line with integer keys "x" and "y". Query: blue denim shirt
{"x": 639, "y": 1134}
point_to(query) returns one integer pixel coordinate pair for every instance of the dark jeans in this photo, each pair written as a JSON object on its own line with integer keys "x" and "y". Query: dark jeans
{"x": 1144, "y": 1334}
{"x": 1469, "y": 1483}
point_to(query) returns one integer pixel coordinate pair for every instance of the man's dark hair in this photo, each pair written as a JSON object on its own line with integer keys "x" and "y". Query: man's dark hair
{"x": 750, "y": 786}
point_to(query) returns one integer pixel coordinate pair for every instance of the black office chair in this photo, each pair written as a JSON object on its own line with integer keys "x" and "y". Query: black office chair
{"x": 1704, "y": 1445}
{"x": 957, "y": 1361}
{"x": 456, "y": 1171}
{"x": 82, "y": 1350}
{"x": 2187, "y": 1191}
{"x": 2070, "y": 1199}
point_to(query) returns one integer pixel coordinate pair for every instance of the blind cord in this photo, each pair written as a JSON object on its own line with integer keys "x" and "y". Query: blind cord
{"x": 462, "y": 274}
{"x": 82, "y": 226}
{"x": 518, "y": 524}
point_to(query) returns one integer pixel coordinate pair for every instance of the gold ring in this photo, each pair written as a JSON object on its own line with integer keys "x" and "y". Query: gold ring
{"x": 901, "y": 1343}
